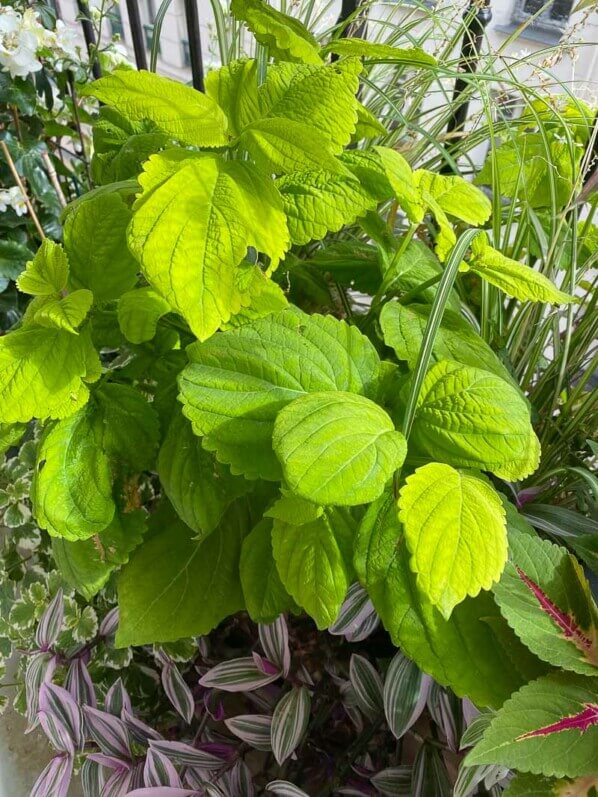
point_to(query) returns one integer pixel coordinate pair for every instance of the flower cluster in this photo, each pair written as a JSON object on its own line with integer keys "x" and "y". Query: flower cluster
{"x": 24, "y": 41}
{"x": 14, "y": 198}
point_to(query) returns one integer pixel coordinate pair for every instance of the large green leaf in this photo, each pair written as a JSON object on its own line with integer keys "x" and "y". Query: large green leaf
{"x": 239, "y": 380}
{"x": 47, "y": 273}
{"x": 403, "y": 327}
{"x": 128, "y": 426}
{"x": 192, "y": 226}
{"x": 337, "y": 448}
{"x": 471, "y": 418}
{"x": 265, "y": 595}
{"x": 546, "y": 599}
{"x": 186, "y": 114}
{"x": 455, "y": 528}
{"x": 526, "y": 785}
{"x": 317, "y": 202}
{"x": 314, "y": 563}
{"x": 474, "y": 651}
{"x": 280, "y": 146}
{"x": 199, "y": 488}
{"x": 323, "y": 96}
{"x": 87, "y": 565}
{"x": 72, "y": 493}
{"x": 175, "y": 587}
{"x": 512, "y": 277}
{"x": 234, "y": 88}
{"x": 42, "y": 373}
{"x": 95, "y": 238}
{"x": 286, "y": 37}
{"x": 549, "y": 727}
{"x": 376, "y": 51}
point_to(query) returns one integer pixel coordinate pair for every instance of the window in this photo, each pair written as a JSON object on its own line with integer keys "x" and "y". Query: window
{"x": 186, "y": 54}
{"x": 553, "y": 19}
{"x": 116, "y": 22}
{"x": 149, "y": 35}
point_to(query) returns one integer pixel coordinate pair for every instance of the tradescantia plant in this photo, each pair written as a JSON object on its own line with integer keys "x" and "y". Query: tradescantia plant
{"x": 172, "y": 340}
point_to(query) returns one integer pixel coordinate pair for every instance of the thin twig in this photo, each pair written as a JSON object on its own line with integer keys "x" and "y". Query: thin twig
{"x": 19, "y": 182}
{"x": 54, "y": 179}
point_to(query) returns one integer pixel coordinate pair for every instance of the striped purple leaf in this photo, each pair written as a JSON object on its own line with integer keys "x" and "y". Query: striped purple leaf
{"x": 289, "y": 722}
{"x": 40, "y": 669}
{"x": 109, "y": 761}
{"x": 178, "y": 691}
{"x": 138, "y": 730}
{"x": 253, "y": 729}
{"x": 238, "y": 675}
{"x": 367, "y": 685}
{"x": 446, "y": 713}
{"x": 50, "y": 623}
{"x": 357, "y": 618}
{"x": 158, "y": 770}
{"x": 55, "y": 780}
{"x": 238, "y": 781}
{"x": 163, "y": 791}
{"x": 186, "y": 755}
{"x": 59, "y": 712}
{"x": 108, "y": 732}
{"x": 92, "y": 778}
{"x": 109, "y": 624}
{"x": 274, "y": 638}
{"x": 117, "y": 699}
{"x": 118, "y": 784}
{"x": 282, "y": 788}
{"x": 79, "y": 684}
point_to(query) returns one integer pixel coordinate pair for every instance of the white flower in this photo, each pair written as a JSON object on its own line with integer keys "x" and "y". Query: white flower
{"x": 17, "y": 200}
{"x": 4, "y": 201}
{"x": 66, "y": 41}
{"x": 19, "y": 41}
{"x": 113, "y": 56}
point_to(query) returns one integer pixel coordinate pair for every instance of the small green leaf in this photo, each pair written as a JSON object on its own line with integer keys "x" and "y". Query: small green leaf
{"x": 280, "y": 146}
{"x": 95, "y": 238}
{"x": 234, "y": 88}
{"x": 265, "y": 596}
{"x": 67, "y": 313}
{"x": 360, "y": 48}
{"x": 471, "y": 418}
{"x": 402, "y": 180}
{"x": 549, "y": 727}
{"x": 285, "y": 37}
{"x": 186, "y": 114}
{"x": 174, "y": 587}
{"x": 456, "y": 196}
{"x": 337, "y": 448}
{"x": 72, "y": 493}
{"x": 266, "y": 298}
{"x": 294, "y": 510}
{"x": 546, "y": 599}
{"x": 403, "y": 329}
{"x": 47, "y": 273}
{"x": 42, "y": 372}
{"x": 512, "y": 277}
{"x": 139, "y": 312}
{"x": 313, "y": 561}
{"x": 455, "y": 529}
{"x": 474, "y": 651}
{"x": 238, "y": 381}
{"x": 199, "y": 488}
{"x": 192, "y": 226}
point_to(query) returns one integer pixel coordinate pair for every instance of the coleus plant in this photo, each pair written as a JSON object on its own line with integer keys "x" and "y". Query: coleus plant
{"x": 296, "y": 452}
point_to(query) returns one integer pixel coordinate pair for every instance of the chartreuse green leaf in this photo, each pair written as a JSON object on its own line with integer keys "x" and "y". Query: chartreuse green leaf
{"x": 192, "y": 226}
{"x": 42, "y": 373}
{"x": 367, "y": 125}
{"x": 549, "y": 727}
{"x": 175, "y": 587}
{"x": 72, "y": 493}
{"x": 199, "y": 488}
{"x": 234, "y": 88}
{"x": 361, "y": 48}
{"x": 87, "y": 564}
{"x": 337, "y": 448}
{"x": 322, "y": 96}
{"x": 294, "y": 510}
{"x": 314, "y": 563}
{"x": 128, "y": 426}
{"x": 526, "y": 785}
{"x": 471, "y": 418}
{"x": 10, "y": 435}
{"x": 176, "y": 109}
{"x": 265, "y": 596}
{"x": 95, "y": 238}
{"x": 366, "y": 166}
{"x": 512, "y": 277}
{"x": 456, "y": 196}
{"x": 455, "y": 528}
{"x": 403, "y": 328}
{"x": 402, "y": 180}
{"x": 546, "y": 599}
{"x": 266, "y": 297}
{"x": 280, "y": 146}
{"x": 47, "y": 273}
{"x": 139, "y": 312}
{"x": 239, "y": 380}
{"x": 66, "y": 313}
{"x": 474, "y": 651}
{"x": 317, "y": 202}
{"x": 286, "y": 37}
